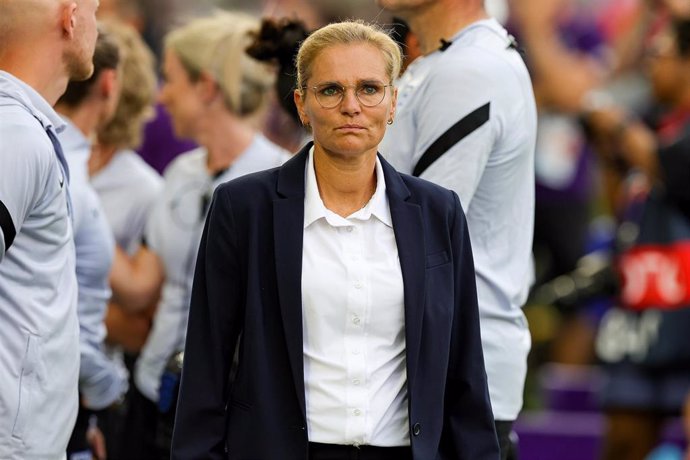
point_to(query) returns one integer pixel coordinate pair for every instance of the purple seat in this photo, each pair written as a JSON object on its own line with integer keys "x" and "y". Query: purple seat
{"x": 551, "y": 435}
{"x": 570, "y": 388}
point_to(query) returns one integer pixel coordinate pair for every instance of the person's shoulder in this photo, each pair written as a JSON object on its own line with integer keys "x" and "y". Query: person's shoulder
{"x": 191, "y": 161}
{"x": 28, "y": 138}
{"x": 423, "y": 190}
{"x": 252, "y": 185}
{"x": 16, "y": 120}
{"x": 276, "y": 154}
{"x": 140, "y": 169}
{"x": 485, "y": 51}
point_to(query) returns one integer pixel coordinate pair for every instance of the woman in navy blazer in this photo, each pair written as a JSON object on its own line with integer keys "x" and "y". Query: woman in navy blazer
{"x": 252, "y": 386}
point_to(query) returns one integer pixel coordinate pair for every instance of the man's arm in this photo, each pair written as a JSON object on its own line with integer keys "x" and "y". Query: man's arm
{"x": 24, "y": 164}
{"x": 129, "y": 330}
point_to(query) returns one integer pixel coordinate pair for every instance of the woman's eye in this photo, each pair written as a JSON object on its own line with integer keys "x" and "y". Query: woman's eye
{"x": 330, "y": 91}
{"x": 370, "y": 89}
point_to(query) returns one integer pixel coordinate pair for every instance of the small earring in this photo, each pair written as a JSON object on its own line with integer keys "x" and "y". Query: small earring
{"x": 390, "y": 121}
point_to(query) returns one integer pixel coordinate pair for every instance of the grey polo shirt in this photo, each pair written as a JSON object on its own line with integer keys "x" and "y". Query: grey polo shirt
{"x": 39, "y": 351}
{"x": 477, "y": 91}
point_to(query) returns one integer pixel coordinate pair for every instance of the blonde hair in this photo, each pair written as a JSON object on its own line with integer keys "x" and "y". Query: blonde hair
{"x": 217, "y": 46}
{"x": 344, "y": 33}
{"x": 138, "y": 88}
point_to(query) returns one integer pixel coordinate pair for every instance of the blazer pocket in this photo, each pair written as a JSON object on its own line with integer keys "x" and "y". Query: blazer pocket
{"x": 436, "y": 259}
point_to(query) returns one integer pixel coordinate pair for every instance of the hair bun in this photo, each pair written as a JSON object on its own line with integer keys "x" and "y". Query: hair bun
{"x": 278, "y": 40}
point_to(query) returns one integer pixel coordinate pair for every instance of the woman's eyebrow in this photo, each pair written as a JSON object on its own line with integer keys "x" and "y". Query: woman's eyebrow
{"x": 364, "y": 81}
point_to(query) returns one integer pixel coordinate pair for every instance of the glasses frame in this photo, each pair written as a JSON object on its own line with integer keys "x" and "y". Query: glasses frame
{"x": 342, "y": 95}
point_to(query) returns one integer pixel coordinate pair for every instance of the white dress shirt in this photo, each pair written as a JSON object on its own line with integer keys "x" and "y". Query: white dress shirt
{"x": 354, "y": 323}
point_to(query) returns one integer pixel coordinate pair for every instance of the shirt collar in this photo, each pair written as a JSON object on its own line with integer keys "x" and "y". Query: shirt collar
{"x": 314, "y": 209}
{"x": 32, "y": 100}
{"x": 72, "y": 139}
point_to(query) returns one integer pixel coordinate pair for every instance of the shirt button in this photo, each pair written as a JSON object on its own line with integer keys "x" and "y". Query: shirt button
{"x": 357, "y": 412}
{"x": 356, "y": 382}
{"x": 358, "y": 285}
{"x": 350, "y": 229}
{"x": 355, "y": 351}
{"x": 356, "y": 320}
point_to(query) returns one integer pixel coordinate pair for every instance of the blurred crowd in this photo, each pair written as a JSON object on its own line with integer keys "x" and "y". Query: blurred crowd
{"x": 612, "y": 84}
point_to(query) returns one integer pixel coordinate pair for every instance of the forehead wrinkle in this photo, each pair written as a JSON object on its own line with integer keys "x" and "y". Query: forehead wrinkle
{"x": 349, "y": 65}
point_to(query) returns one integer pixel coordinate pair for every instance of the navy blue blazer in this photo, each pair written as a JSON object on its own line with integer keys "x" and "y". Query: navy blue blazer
{"x": 247, "y": 293}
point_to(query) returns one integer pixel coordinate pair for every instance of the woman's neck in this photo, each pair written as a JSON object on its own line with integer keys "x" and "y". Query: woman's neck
{"x": 346, "y": 184}
{"x": 101, "y": 155}
{"x": 225, "y": 138}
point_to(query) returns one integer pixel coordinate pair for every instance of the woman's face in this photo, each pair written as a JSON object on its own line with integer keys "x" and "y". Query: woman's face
{"x": 180, "y": 96}
{"x": 350, "y": 128}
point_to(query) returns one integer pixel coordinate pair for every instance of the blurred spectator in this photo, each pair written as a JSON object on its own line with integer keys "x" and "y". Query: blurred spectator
{"x": 126, "y": 186}
{"x": 151, "y": 19}
{"x": 637, "y": 397}
{"x": 567, "y": 58}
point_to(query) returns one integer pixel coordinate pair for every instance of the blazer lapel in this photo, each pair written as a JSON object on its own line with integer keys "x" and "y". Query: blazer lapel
{"x": 288, "y": 230}
{"x": 409, "y": 237}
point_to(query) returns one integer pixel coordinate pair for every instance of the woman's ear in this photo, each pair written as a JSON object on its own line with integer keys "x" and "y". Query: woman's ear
{"x": 299, "y": 102}
{"x": 107, "y": 82}
{"x": 207, "y": 87}
{"x": 394, "y": 102}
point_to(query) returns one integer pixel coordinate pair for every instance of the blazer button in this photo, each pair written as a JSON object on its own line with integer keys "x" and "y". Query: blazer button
{"x": 416, "y": 429}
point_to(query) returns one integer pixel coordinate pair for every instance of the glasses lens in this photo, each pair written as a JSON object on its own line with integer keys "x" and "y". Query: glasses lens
{"x": 328, "y": 95}
{"x": 368, "y": 94}
{"x": 371, "y": 94}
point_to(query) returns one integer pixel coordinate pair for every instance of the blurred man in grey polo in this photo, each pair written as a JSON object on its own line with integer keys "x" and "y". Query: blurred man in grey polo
{"x": 466, "y": 120}
{"x": 44, "y": 44}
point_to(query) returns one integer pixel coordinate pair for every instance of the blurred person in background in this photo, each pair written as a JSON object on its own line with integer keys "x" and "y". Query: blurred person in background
{"x": 44, "y": 45}
{"x": 151, "y": 19}
{"x": 638, "y": 398}
{"x": 313, "y": 276}
{"x": 568, "y": 58}
{"x": 213, "y": 91}
{"x": 127, "y": 187}
{"x": 86, "y": 106}
{"x": 467, "y": 121}
{"x": 277, "y": 42}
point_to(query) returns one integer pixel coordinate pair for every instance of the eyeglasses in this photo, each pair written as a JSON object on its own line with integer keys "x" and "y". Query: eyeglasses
{"x": 330, "y": 95}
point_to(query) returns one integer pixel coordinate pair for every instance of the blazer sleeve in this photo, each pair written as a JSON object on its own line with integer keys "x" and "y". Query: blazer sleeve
{"x": 215, "y": 318}
{"x": 468, "y": 428}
